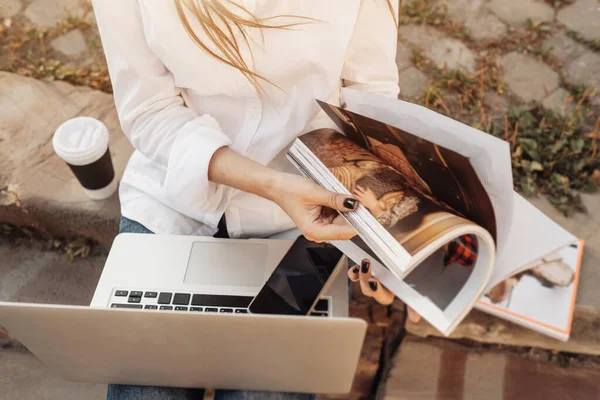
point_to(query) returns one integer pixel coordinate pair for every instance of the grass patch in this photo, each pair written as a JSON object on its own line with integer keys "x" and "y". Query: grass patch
{"x": 423, "y": 12}
{"x": 26, "y": 51}
{"x": 557, "y": 4}
{"x": 462, "y": 95}
{"x": 529, "y": 40}
{"x": 418, "y": 58}
{"x": 75, "y": 247}
{"x": 553, "y": 155}
{"x": 433, "y": 13}
{"x": 592, "y": 44}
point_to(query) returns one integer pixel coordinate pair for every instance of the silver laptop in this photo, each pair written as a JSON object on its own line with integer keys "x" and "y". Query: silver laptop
{"x": 172, "y": 311}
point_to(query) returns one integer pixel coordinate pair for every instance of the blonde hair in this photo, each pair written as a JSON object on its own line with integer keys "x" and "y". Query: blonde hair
{"x": 220, "y": 24}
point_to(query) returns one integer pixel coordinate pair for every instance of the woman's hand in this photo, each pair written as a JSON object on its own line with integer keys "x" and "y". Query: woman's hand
{"x": 313, "y": 209}
{"x": 371, "y": 287}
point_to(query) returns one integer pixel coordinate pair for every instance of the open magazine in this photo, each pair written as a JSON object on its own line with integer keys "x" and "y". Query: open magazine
{"x": 439, "y": 218}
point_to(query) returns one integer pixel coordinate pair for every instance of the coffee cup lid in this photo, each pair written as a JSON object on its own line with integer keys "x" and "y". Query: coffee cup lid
{"x": 81, "y": 140}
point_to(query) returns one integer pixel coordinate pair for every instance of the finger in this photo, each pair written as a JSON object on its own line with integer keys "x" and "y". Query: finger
{"x": 338, "y": 230}
{"x": 381, "y": 294}
{"x": 353, "y": 273}
{"x": 413, "y": 315}
{"x": 337, "y": 201}
{"x": 364, "y": 277}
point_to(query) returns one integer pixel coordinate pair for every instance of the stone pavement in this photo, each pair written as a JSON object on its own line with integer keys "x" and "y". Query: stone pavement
{"x": 544, "y": 51}
{"x": 446, "y": 371}
{"x": 24, "y": 377}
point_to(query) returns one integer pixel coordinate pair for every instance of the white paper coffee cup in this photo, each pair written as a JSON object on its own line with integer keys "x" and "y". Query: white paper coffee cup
{"x": 82, "y": 143}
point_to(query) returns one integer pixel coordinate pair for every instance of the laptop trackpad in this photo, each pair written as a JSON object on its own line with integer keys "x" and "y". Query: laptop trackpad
{"x": 227, "y": 264}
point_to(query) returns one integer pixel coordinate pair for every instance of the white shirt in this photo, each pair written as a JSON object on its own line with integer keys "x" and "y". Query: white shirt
{"x": 178, "y": 105}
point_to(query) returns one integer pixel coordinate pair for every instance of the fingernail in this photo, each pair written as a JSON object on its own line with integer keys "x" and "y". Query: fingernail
{"x": 373, "y": 285}
{"x": 350, "y": 203}
{"x": 364, "y": 266}
{"x": 355, "y": 270}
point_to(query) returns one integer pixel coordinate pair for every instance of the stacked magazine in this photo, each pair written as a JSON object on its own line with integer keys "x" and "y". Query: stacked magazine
{"x": 439, "y": 218}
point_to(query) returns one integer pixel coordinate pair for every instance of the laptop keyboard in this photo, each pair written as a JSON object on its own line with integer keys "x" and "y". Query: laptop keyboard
{"x": 206, "y": 303}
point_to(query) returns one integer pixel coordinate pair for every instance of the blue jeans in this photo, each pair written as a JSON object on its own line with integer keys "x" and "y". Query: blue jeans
{"x": 129, "y": 392}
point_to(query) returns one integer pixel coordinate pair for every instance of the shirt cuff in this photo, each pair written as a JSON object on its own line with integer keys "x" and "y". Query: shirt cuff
{"x": 186, "y": 187}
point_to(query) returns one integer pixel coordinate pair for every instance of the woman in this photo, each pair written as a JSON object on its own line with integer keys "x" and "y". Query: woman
{"x": 212, "y": 93}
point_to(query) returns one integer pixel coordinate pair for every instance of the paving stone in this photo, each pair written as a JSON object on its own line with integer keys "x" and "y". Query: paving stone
{"x": 442, "y": 50}
{"x": 560, "y": 100}
{"x": 585, "y": 332}
{"x": 10, "y": 8}
{"x": 42, "y": 191}
{"x": 31, "y": 273}
{"x": 583, "y": 17}
{"x": 462, "y": 10}
{"x": 486, "y": 27}
{"x": 70, "y": 44}
{"x": 24, "y": 377}
{"x": 412, "y": 82}
{"x": 403, "y": 56}
{"x": 528, "y": 78}
{"x": 517, "y": 12}
{"x": 563, "y": 47}
{"x": 48, "y": 13}
{"x": 496, "y": 105}
{"x": 482, "y": 24}
{"x": 585, "y": 69}
{"x": 448, "y": 371}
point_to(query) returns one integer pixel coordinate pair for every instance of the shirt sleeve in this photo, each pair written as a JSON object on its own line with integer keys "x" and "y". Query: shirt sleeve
{"x": 152, "y": 112}
{"x": 370, "y": 63}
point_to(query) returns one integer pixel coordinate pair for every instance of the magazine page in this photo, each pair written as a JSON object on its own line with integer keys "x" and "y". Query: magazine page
{"x": 532, "y": 235}
{"x": 489, "y": 156}
{"x": 441, "y": 294}
{"x": 415, "y": 218}
{"x": 541, "y": 297}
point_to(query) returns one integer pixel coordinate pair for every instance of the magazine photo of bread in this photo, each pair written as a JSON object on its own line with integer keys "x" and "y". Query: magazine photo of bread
{"x": 383, "y": 190}
{"x": 440, "y": 175}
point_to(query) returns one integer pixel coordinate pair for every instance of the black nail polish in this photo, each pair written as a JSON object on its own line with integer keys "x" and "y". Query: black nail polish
{"x": 350, "y": 203}
{"x": 364, "y": 267}
{"x": 373, "y": 285}
{"x": 355, "y": 270}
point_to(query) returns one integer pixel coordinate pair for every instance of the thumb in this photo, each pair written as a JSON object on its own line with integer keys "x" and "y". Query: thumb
{"x": 336, "y": 201}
